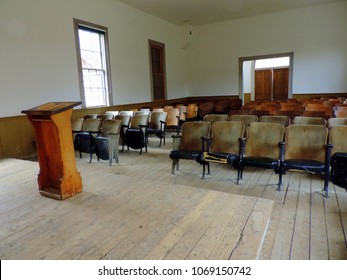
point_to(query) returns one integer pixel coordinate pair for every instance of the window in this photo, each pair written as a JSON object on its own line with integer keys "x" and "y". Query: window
{"x": 272, "y": 62}
{"x": 93, "y": 64}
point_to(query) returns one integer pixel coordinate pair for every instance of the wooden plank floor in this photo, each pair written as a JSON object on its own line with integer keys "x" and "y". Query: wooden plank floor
{"x": 138, "y": 210}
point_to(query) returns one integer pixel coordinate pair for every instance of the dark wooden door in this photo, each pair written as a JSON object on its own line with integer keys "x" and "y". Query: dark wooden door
{"x": 158, "y": 70}
{"x": 271, "y": 84}
{"x": 263, "y": 84}
{"x": 280, "y": 84}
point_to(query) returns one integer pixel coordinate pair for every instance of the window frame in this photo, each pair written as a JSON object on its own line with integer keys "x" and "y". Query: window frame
{"x": 101, "y": 30}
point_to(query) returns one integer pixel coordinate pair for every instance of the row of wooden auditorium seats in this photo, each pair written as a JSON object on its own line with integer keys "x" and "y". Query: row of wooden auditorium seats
{"x": 314, "y": 107}
{"x": 269, "y": 145}
{"x": 284, "y": 120}
{"x": 92, "y": 130}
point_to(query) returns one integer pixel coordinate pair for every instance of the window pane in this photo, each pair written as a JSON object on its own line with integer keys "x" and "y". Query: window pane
{"x": 92, "y": 51}
{"x": 272, "y": 62}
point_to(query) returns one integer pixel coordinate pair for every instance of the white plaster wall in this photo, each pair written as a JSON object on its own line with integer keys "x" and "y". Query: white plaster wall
{"x": 38, "y": 53}
{"x": 316, "y": 35}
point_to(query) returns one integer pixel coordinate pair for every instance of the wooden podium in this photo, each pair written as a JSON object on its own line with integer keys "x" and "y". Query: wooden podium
{"x": 58, "y": 177}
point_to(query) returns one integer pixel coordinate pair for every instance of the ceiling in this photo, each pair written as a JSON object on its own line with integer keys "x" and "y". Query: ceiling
{"x": 198, "y": 12}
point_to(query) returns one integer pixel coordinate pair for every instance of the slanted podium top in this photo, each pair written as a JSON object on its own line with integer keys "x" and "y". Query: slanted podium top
{"x": 51, "y": 108}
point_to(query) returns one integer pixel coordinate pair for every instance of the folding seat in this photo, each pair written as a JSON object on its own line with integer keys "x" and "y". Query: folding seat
{"x": 192, "y": 112}
{"x": 188, "y": 146}
{"x": 309, "y": 120}
{"x": 76, "y": 126}
{"x": 223, "y": 146}
{"x": 283, "y": 120}
{"x": 172, "y": 119}
{"x": 336, "y": 121}
{"x": 125, "y": 122}
{"x": 337, "y": 138}
{"x": 84, "y": 140}
{"x": 157, "y": 126}
{"x": 106, "y": 144}
{"x": 261, "y": 147}
{"x": 135, "y": 135}
{"x": 306, "y": 148}
{"x": 212, "y": 118}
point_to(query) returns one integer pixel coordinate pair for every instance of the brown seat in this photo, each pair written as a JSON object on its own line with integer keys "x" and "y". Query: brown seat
{"x": 192, "y": 112}
{"x": 336, "y": 121}
{"x": 212, "y": 118}
{"x": 106, "y": 144}
{"x": 283, "y": 120}
{"x": 223, "y": 146}
{"x": 247, "y": 119}
{"x": 222, "y": 107}
{"x": 309, "y": 120}
{"x": 261, "y": 147}
{"x": 206, "y": 107}
{"x": 76, "y": 126}
{"x": 135, "y": 135}
{"x": 125, "y": 122}
{"x": 189, "y": 144}
{"x": 305, "y": 148}
{"x": 104, "y": 117}
{"x": 157, "y": 126}
{"x": 84, "y": 140}
{"x": 172, "y": 119}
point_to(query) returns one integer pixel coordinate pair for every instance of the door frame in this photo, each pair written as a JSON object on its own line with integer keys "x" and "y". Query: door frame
{"x": 256, "y": 57}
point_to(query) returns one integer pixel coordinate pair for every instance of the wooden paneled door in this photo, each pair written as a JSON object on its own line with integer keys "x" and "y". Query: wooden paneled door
{"x": 263, "y": 84}
{"x": 280, "y": 83}
{"x": 271, "y": 84}
{"x": 157, "y": 60}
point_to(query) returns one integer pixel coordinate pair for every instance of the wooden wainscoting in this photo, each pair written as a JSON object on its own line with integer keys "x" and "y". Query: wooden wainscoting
{"x": 17, "y": 138}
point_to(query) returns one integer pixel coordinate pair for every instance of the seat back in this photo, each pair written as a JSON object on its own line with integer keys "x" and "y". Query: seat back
{"x": 309, "y": 120}
{"x": 140, "y": 119}
{"x": 114, "y": 113}
{"x": 306, "y": 142}
{"x": 77, "y": 124}
{"x": 125, "y": 122}
{"x": 191, "y": 135}
{"x": 91, "y": 124}
{"x": 130, "y": 113}
{"x": 192, "y": 111}
{"x": 212, "y": 118}
{"x": 104, "y": 117}
{"x": 125, "y": 119}
{"x": 158, "y": 110}
{"x": 110, "y": 127}
{"x": 172, "y": 114}
{"x": 156, "y": 119}
{"x": 247, "y": 119}
{"x": 225, "y": 136}
{"x": 336, "y": 121}
{"x": 182, "y": 112}
{"x": 283, "y": 120}
{"x": 262, "y": 139}
{"x": 337, "y": 137}
{"x": 91, "y": 116}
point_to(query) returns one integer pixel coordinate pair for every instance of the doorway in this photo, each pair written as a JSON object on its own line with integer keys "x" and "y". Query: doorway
{"x": 157, "y": 67}
{"x": 266, "y": 77}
